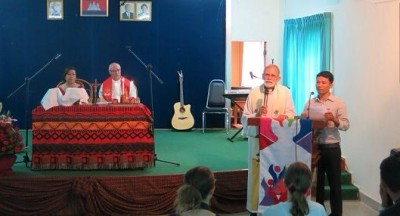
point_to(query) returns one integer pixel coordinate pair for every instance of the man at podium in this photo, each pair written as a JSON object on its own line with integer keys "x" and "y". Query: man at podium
{"x": 332, "y": 110}
{"x": 268, "y": 100}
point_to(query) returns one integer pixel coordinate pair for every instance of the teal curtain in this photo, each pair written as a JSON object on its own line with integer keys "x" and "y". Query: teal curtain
{"x": 306, "y": 52}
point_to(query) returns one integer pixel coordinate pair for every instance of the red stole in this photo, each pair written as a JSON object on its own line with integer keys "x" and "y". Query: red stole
{"x": 107, "y": 88}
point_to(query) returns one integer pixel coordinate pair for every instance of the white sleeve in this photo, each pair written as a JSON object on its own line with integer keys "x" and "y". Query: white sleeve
{"x": 50, "y": 99}
{"x": 100, "y": 95}
{"x": 132, "y": 90}
{"x": 247, "y": 113}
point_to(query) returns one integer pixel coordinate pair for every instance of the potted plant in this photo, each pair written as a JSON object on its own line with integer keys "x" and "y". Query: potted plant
{"x": 10, "y": 143}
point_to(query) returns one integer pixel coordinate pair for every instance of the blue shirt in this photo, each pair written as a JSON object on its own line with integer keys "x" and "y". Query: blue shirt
{"x": 283, "y": 209}
{"x": 330, "y": 134}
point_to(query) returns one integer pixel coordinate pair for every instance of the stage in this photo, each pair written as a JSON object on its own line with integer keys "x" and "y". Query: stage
{"x": 148, "y": 191}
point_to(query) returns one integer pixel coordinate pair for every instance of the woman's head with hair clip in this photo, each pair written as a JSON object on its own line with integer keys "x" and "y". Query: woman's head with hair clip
{"x": 298, "y": 181}
{"x": 298, "y": 177}
{"x": 188, "y": 198}
{"x": 201, "y": 178}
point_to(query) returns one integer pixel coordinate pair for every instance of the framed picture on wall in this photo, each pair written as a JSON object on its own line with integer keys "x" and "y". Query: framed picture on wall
{"x": 143, "y": 11}
{"x": 127, "y": 11}
{"x": 55, "y": 9}
{"x": 94, "y": 8}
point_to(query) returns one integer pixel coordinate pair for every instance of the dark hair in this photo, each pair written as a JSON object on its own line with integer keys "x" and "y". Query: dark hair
{"x": 201, "y": 178}
{"x": 390, "y": 172}
{"x": 327, "y": 75}
{"x": 298, "y": 181}
{"x": 144, "y": 5}
{"x": 68, "y": 69}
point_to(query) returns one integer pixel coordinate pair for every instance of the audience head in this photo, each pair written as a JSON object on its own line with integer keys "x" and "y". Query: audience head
{"x": 298, "y": 181}
{"x": 70, "y": 75}
{"x": 271, "y": 75}
{"x": 115, "y": 71}
{"x": 201, "y": 178}
{"x": 198, "y": 187}
{"x": 188, "y": 198}
{"x": 390, "y": 174}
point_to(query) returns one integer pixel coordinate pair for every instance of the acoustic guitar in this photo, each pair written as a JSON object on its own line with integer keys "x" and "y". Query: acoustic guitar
{"x": 183, "y": 118}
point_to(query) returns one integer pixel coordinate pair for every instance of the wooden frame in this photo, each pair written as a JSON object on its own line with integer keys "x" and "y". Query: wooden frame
{"x": 55, "y": 9}
{"x": 127, "y": 10}
{"x": 94, "y": 8}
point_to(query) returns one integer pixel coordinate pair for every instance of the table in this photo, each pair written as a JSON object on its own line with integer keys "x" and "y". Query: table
{"x": 112, "y": 136}
{"x": 236, "y": 96}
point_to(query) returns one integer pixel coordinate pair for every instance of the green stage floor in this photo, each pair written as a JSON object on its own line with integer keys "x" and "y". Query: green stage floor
{"x": 189, "y": 149}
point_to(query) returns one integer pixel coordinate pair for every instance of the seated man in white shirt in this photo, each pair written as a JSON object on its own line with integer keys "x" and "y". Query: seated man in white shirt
{"x": 116, "y": 88}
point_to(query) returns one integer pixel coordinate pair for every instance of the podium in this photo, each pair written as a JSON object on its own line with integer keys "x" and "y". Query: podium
{"x": 316, "y": 126}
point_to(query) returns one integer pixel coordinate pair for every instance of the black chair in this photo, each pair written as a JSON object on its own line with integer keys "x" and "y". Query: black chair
{"x": 216, "y": 102}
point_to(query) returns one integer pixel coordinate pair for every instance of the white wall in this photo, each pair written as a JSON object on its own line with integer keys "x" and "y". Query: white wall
{"x": 255, "y": 20}
{"x": 366, "y": 67}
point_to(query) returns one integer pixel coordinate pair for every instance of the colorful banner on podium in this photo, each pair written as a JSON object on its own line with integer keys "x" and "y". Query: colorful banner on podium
{"x": 281, "y": 143}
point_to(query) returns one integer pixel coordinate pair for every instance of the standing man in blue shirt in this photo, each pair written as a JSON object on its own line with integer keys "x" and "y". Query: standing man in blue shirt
{"x": 328, "y": 139}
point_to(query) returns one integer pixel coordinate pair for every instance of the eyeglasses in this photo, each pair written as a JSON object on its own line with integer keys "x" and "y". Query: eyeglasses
{"x": 270, "y": 75}
{"x": 115, "y": 71}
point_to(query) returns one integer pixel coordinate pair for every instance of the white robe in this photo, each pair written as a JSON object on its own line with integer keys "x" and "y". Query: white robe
{"x": 279, "y": 102}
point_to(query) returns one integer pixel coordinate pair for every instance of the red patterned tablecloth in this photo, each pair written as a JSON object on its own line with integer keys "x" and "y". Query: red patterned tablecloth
{"x": 92, "y": 137}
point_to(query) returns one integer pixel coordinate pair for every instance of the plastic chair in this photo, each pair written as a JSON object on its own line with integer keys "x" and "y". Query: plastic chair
{"x": 216, "y": 102}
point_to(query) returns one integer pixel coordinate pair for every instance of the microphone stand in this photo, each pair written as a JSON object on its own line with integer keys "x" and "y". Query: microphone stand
{"x": 26, "y": 83}
{"x": 309, "y": 104}
{"x": 149, "y": 68}
{"x": 254, "y": 76}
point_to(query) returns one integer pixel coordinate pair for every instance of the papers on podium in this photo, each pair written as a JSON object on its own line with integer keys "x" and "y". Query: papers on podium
{"x": 54, "y": 97}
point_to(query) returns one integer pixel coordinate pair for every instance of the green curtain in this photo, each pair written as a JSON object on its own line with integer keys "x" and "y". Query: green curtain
{"x": 306, "y": 52}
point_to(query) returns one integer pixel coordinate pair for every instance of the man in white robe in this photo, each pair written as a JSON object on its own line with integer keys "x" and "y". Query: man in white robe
{"x": 268, "y": 100}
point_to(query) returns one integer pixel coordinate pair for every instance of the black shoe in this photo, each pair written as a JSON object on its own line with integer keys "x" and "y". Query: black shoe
{"x": 253, "y": 214}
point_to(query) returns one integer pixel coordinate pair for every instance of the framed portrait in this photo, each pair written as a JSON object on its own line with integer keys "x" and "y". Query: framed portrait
{"x": 94, "y": 8}
{"x": 127, "y": 11}
{"x": 143, "y": 11}
{"x": 55, "y": 9}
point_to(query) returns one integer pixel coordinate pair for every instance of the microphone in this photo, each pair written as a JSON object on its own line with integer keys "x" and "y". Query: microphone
{"x": 57, "y": 56}
{"x": 123, "y": 3}
{"x": 266, "y": 92}
{"x": 309, "y": 104}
